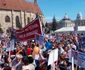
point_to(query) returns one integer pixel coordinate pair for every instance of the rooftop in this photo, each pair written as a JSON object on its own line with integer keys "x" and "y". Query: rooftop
{"x": 20, "y": 5}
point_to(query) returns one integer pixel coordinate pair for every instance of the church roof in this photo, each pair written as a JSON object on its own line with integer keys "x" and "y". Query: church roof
{"x": 66, "y": 17}
{"x": 20, "y": 5}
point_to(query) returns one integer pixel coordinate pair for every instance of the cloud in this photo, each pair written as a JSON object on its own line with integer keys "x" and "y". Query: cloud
{"x": 48, "y": 18}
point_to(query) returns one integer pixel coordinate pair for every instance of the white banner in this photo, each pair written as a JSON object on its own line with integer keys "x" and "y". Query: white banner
{"x": 53, "y": 56}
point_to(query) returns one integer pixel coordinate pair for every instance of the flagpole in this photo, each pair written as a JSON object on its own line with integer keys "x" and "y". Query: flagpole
{"x": 72, "y": 63}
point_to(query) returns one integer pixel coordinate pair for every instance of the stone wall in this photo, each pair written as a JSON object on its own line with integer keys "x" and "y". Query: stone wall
{"x": 5, "y": 25}
{"x": 23, "y": 18}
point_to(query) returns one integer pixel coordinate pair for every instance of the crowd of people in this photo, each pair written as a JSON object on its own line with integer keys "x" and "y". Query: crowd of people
{"x": 32, "y": 56}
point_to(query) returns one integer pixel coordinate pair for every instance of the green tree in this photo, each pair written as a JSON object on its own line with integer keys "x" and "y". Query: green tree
{"x": 53, "y": 24}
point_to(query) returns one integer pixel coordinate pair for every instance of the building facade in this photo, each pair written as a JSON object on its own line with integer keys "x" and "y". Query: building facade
{"x": 80, "y": 20}
{"x": 18, "y": 13}
{"x": 65, "y": 22}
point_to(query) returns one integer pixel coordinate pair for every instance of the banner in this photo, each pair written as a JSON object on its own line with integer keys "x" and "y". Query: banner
{"x": 29, "y": 31}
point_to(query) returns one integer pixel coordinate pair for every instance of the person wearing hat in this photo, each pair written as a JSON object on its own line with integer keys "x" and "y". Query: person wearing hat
{"x": 16, "y": 63}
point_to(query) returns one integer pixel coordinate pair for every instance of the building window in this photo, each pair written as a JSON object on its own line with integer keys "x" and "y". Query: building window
{"x": 7, "y": 19}
{"x": 28, "y": 20}
{"x": 18, "y": 24}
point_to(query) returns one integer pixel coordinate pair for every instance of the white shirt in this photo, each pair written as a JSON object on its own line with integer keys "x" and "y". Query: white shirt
{"x": 36, "y": 57}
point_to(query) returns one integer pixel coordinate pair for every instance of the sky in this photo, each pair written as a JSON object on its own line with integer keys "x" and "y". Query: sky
{"x": 61, "y": 7}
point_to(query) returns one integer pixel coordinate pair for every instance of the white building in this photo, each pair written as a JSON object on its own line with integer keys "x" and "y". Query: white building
{"x": 80, "y": 20}
{"x": 65, "y": 22}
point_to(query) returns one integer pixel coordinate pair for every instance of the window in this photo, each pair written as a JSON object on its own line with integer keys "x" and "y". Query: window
{"x": 18, "y": 25}
{"x": 28, "y": 20}
{"x": 7, "y": 19}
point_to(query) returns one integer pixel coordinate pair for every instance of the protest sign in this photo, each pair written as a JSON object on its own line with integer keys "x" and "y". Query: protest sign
{"x": 81, "y": 59}
{"x": 58, "y": 39}
{"x": 75, "y": 55}
{"x": 53, "y": 56}
{"x": 12, "y": 43}
{"x": 39, "y": 39}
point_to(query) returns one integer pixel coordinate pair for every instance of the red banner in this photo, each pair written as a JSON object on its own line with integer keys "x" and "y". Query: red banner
{"x": 29, "y": 31}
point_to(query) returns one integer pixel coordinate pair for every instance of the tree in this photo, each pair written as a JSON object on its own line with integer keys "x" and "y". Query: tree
{"x": 53, "y": 24}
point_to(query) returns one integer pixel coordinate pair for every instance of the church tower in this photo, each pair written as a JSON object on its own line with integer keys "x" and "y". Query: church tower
{"x": 79, "y": 16}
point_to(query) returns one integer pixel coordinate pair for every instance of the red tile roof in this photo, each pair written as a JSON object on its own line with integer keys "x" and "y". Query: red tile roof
{"x": 20, "y": 5}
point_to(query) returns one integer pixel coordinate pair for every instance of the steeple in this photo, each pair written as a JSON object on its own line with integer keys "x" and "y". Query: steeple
{"x": 35, "y": 1}
{"x": 79, "y": 16}
{"x": 66, "y": 17}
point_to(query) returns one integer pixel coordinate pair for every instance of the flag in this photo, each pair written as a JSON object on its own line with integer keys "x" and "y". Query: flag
{"x": 29, "y": 31}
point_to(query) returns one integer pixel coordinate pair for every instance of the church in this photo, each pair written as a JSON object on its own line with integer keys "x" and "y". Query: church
{"x": 18, "y": 13}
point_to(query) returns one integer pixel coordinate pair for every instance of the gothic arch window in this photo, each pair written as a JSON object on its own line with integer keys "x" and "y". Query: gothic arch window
{"x": 7, "y": 19}
{"x": 18, "y": 25}
{"x": 28, "y": 20}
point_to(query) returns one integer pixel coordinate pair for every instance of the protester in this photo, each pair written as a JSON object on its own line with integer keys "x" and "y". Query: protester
{"x": 16, "y": 63}
{"x": 28, "y": 63}
{"x": 35, "y": 56}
